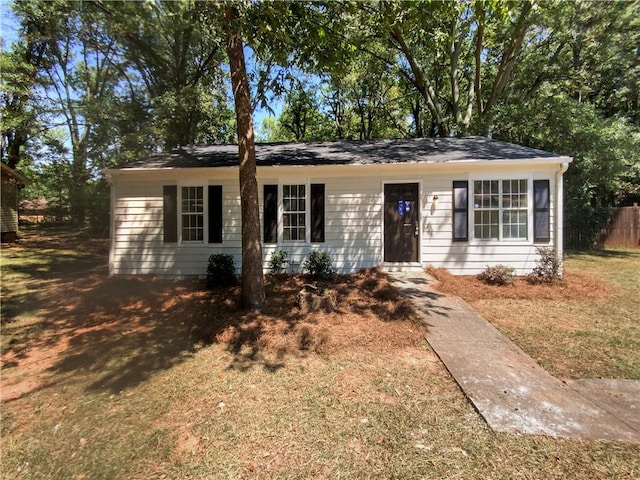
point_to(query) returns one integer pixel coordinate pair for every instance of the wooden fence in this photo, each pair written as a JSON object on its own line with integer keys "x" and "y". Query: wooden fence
{"x": 622, "y": 231}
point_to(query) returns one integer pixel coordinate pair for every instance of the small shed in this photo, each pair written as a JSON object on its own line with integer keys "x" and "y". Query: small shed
{"x": 12, "y": 183}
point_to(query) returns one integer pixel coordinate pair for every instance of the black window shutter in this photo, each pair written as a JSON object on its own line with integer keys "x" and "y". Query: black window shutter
{"x": 270, "y": 213}
{"x": 541, "y": 217}
{"x": 215, "y": 213}
{"x": 170, "y": 213}
{"x": 460, "y": 211}
{"x": 317, "y": 212}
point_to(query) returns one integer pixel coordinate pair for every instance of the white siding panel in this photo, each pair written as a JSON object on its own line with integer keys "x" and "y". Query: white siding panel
{"x": 472, "y": 257}
{"x": 353, "y": 226}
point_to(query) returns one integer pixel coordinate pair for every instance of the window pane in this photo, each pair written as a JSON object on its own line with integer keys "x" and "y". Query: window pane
{"x": 294, "y": 206}
{"x": 522, "y": 231}
{"x": 523, "y": 186}
{"x": 192, "y": 204}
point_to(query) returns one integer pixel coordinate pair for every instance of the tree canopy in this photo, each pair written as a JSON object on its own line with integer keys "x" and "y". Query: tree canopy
{"x": 89, "y": 85}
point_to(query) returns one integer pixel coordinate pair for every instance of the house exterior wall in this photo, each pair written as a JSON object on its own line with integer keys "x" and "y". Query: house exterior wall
{"x": 354, "y": 227}
{"x": 8, "y": 208}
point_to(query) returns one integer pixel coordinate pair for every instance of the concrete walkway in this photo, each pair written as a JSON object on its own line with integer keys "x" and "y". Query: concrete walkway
{"x": 507, "y": 387}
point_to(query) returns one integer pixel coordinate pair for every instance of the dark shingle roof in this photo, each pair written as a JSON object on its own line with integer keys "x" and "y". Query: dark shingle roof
{"x": 349, "y": 152}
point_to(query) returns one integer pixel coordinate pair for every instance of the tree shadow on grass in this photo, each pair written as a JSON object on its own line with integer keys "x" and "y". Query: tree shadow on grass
{"x": 112, "y": 334}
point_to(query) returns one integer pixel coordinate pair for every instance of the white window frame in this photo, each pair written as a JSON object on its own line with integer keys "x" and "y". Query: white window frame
{"x": 204, "y": 213}
{"x": 281, "y": 212}
{"x": 501, "y": 209}
{"x": 514, "y": 195}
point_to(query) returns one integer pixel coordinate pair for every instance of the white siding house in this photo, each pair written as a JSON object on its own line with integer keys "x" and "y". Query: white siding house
{"x": 457, "y": 203}
{"x": 10, "y": 184}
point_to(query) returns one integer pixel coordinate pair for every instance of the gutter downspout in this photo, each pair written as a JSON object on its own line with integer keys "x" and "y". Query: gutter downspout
{"x": 559, "y": 237}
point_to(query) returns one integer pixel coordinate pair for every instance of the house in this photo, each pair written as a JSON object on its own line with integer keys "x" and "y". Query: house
{"x": 11, "y": 183}
{"x": 457, "y": 203}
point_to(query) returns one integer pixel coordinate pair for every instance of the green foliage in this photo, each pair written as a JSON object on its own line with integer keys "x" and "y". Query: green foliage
{"x": 278, "y": 262}
{"x": 548, "y": 267}
{"x": 606, "y": 152}
{"x": 129, "y": 78}
{"x": 319, "y": 267}
{"x": 98, "y": 208}
{"x": 221, "y": 271}
{"x": 497, "y": 275}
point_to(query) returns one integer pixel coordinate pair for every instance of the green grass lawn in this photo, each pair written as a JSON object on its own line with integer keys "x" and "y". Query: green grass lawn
{"x": 114, "y": 387}
{"x": 594, "y": 336}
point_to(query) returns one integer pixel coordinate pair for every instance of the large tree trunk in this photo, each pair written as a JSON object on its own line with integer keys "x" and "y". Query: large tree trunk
{"x": 252, "y": 294}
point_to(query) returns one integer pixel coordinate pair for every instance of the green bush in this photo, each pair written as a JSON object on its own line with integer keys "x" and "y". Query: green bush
{"x": 278, "y": 262}
{"x": 318, "y": 266}
{"x": 548, "y": 268}
{"x": 221, "y": 272}
{"x": 497, "y": 275}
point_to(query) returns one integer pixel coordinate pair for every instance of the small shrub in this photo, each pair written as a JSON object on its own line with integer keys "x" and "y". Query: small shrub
{"x": 548, "y": 269}
{"x": 318, "y": 266}
{"x": 497, "y": 275}
{"x": 221, "y": 272}
{"x": 278, "y": 262}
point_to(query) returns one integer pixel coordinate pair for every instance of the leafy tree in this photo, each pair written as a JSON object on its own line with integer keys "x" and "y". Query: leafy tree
{"x": 76, "y": 76}
{"x": 178, "y": 54}
{"x": 19, "y": 67}
{"x": 299, "y": 111}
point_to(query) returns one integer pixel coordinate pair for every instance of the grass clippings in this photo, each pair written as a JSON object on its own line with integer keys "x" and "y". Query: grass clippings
{"x": 144, "y": 378}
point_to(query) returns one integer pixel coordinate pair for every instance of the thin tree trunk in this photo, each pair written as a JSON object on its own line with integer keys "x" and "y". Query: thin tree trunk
{"x": 507, "y": 64}
{"x": 252, "y": 285}
{"x": 478, "y": 59}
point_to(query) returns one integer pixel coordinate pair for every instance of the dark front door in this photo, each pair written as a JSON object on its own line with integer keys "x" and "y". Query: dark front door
{"x": 401, "y": 230}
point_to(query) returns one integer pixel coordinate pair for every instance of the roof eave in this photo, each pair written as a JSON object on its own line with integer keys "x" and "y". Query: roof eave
{"x": 109, "y": 172}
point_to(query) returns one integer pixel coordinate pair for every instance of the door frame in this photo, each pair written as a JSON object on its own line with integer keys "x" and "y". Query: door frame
{"x": 400, "y": 181}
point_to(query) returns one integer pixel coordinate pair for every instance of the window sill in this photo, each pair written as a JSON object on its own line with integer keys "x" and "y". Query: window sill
{"x": 496, "y": 241}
